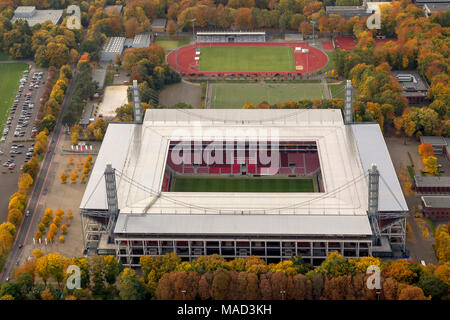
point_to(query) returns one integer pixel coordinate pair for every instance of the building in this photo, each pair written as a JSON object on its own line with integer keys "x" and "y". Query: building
{"x": 432, "y": 185}
{"x": 142, "y": 40}
{"x": 439, "y": 144}
{"x": 130, "y": 209}
{"x": 437, "y": 207}
{"x": 365, "y": 10}
{"x": 112, "y": 46}
{"x": 231, "y": 36}
{"x": 99, "y": 75}
{"x": 422, "y": 3}
{"x": 34, "y": 16}
{"x": 430, "y": 8}
{"x": 159, "y": 25}
{"x": 415, "y": 88}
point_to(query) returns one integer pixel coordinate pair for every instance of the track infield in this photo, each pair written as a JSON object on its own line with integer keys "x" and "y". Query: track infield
{"x": 235, "y": 184}
{"x": 247, "y": 59}
{"x": 231, "y": 96}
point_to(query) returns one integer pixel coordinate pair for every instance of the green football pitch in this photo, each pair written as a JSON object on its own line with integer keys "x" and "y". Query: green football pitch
{"x": 246, "y": 59}
{"x": 237, "y": 184}
{"x": 229, "y": 96}
{"x": 10, "y": 74}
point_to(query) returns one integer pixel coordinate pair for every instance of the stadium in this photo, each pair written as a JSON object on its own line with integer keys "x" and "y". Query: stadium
{"x": 245, "y": 54}
{"x": 271, "y": 183}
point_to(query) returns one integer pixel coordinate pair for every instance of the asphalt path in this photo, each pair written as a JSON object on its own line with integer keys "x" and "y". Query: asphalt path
{"x": 24, "y": 231}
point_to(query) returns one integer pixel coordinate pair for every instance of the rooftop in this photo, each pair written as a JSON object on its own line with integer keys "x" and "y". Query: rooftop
{"x": 99, "y": 76}
{"x": 114, "y": 9}
{"x": 213, "y": 33}
{"x": 114, "y": 44}
{"x": 159, "y": 23}
{"x": 434, "y": 140}
{"x": 436, "y": 7}
{"x": 438, "y": 202}
{"x": 422, "y": 181}
{"x": 411, "y": 81}
{"x": 40, "y": 16}
{"x": 138, "y": 153}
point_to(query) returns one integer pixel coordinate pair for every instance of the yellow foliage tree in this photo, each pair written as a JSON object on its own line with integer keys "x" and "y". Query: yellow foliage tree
{"x": 430, "y": 163}
{"x": 38, "y": 236}
{"x": 63, "y": 229}
{"x": 24, "y": 183}
{"x": 48, "y": 212}
{"x": 57, "y": 221}
{"x": 73, "y": 177}
{"x": 63, "y": 177}
{"x": 15, "y": 216}
{"x": 61, "y": 239}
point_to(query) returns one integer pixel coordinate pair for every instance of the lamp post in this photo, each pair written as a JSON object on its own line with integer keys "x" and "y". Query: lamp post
{"x": 282, "y": 294}
{"x": 193, "y": 29}
{"x": 313, "y": 23}
{"x": 184, "y": 294}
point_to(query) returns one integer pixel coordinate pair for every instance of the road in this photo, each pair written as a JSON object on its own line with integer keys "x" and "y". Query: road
{"x": 24, "y": 230}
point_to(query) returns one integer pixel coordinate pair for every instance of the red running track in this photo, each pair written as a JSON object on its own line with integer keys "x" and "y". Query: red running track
{"x": 346, "y": 43}
{"x": 183, "y": 60}
{"x": 327, "y": 45}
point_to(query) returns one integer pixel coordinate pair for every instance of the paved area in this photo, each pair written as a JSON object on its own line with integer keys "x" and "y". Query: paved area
{"x": 187, "y": 92}
{"x": 60, "y": 196}
{"x": 9, "y": 178}
{"x": 420, "y": 248}
{"x": 113, "y": 98}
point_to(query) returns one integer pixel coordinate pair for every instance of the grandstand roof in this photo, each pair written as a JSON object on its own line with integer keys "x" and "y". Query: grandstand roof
{"x": 437, "y": 202}
{"x": 139, "y": 152}
{"x": 432, "y": 181}
{"x": 222, "y": 33}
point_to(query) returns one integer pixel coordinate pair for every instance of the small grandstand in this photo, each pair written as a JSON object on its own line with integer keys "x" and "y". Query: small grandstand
{"x": 230, "y": 36}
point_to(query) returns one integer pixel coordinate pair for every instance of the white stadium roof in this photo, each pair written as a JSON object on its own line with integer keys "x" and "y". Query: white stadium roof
{"x": 139, "y": 152}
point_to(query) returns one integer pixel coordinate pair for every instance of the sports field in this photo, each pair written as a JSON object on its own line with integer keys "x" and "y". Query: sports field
{"x": 10, "y": 74}
{"x": 247, "y": 59}
{"x": 230, "y": 96}
{"x": 235, "y": 184}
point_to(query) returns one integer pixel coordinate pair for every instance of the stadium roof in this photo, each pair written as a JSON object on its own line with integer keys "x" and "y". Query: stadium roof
{"x": 436, "y": 7}
{"x": 431, "y": 181}
{"x": 139, "y": 152}
{"x": 372, "y": 149}
{"x": 288, "y": 225}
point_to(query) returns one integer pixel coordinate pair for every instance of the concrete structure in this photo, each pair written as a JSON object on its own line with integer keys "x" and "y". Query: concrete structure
{"x": 112, "y": 46}
{"x": 34, "y": 16}
{"x": 430, "y": 8}
{"x": 274, "y": 226}
{"x": 231, "y": 36}
{"x": 437, "y": 207}
{"x": 159, "y": 25}
{"x": 432, "y": 185}
{"x": 415, "y": 88}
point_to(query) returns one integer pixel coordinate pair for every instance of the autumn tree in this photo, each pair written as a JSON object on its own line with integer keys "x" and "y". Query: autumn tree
{"x": 171, "y": 28}
{"x": 130, "y": 287}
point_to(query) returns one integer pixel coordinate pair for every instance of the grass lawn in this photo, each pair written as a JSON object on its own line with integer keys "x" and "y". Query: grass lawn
{"x": 4, "y": 56}
{"x": 337, "y": 90}
{"x": 10, "y": 74}
{"x": 246, "y": 59}
{"x": 230, "y": 96}
{"x": 172, "y": 42}
{"x": 234, "y": 184}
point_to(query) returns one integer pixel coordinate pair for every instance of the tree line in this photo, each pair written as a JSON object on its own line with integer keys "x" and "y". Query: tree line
{"x": 212, "y": 277}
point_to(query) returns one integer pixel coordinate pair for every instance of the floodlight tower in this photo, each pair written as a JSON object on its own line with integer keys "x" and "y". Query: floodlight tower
{"x": 137, "y": 111}
{"x": 372, "y": 211}
{"x": 111, "y": 198}
{"x": 348, "y": 104}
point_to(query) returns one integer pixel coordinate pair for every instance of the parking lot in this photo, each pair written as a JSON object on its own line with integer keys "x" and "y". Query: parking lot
{"x": 18, "y": 136}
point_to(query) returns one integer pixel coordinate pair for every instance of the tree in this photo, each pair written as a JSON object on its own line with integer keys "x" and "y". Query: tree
{"x": 15, "y": 216}
{"x": 305, "y": 28}
{"x": 130, "y": 288}
{"x": 25, "y": 181}
{"x": 112, "y": 269}
{"x": 48, "y": 122}
{"x": 73, "y": 177}
{"x": 31, "y": 167}
{"x": 411, "y": 293}
{"x": 431, "y": 163}
{"x": 220, "y": 283}
{"x": 433, "y": 286}
{"x": 171, "y": 28}
{"x": 336, "y": 265}
{"x": 63, "y": 229}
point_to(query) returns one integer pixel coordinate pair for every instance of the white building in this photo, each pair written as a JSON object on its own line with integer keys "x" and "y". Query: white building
{"x": 33, "y": 16}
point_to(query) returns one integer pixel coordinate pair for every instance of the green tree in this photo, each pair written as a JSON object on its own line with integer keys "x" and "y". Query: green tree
{"x": 433, "y": 286}
{"x": 130, "y": 287}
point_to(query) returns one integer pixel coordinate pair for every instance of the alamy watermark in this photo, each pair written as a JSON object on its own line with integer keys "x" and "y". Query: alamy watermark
{"x": 374, "y": 20}
{"x": 74, "y": 280}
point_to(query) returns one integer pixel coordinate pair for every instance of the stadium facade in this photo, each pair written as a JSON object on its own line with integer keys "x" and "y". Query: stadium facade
{"x": 129, "y": 208}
